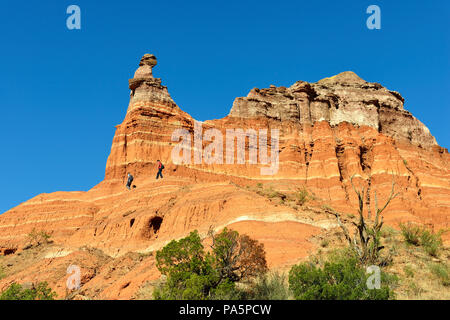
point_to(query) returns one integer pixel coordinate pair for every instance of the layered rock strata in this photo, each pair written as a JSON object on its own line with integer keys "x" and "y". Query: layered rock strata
{"x": 330, "y": 131}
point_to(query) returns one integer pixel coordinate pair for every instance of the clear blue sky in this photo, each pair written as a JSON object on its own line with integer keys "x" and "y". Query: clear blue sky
{"x": 63, "y": 91}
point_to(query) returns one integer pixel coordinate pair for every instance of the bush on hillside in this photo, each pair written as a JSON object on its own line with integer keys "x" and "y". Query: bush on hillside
{"x": 421, "y": 236}
{"x": 270, "y": 286}
{"x": 193, "y": 273}
{"x": 341, "y": 277}
{"x": 36, "y": 238}
{"x": 39, "y": 292}
{"x": 442, "y": 272}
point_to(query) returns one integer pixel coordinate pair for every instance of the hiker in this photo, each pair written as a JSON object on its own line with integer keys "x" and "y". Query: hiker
{"x": 160, "y": 169}
{"x": 130, "y": 180}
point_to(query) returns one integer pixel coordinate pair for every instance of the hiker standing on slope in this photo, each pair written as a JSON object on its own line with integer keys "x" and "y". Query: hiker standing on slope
{"x": 160, "y": 169}
{"x": 130, "y": 180}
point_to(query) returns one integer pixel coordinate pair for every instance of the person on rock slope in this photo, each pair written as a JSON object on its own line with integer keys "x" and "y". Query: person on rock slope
{"x": 130, "y": 180}
{"x": 160, "y": 169}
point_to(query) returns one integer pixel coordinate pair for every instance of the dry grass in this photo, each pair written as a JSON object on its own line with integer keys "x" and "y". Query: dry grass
{"x": 295, "y": 199}
{"x": 145, "y": 291}
{"x": 421, "y": 276}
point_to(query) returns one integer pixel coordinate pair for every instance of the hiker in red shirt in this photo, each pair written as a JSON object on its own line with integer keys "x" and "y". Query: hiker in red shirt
{"x": 160, "y": 169}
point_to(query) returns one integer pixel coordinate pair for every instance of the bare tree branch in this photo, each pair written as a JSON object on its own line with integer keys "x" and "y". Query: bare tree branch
{"x": 366, "y": 240}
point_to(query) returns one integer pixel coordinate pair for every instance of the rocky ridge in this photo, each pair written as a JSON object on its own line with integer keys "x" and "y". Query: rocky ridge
{"x": 342, "y": 98}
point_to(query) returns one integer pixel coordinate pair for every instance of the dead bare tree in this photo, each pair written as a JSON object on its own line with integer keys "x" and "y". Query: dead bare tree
{"x": 366, "y": 241}
{"x": 238, "y": 256}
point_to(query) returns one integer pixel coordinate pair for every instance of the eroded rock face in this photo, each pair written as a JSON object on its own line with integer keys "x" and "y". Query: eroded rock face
{"x": 342, "y": 98}
{"x": 329, "y": 131}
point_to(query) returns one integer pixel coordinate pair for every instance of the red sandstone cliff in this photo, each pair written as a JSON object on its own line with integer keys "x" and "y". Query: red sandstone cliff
{"x": 329, "y": 130}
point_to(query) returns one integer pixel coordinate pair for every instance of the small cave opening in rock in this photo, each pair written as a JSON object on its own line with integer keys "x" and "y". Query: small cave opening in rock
{"x": 152, "y": 227}
{"x": 7, "y": 252}
{"x": 155, "y": 224}
{"x": 131, "y": 222}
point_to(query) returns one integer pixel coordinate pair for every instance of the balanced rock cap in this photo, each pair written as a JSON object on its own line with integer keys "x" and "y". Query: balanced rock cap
{"x": 148, "y": 61}
{"x": 146, "y": 88}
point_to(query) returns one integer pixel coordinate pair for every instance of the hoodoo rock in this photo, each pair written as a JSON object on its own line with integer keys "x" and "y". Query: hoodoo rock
{"x": 145, "y": 88}
{"x": 329, "y": 131}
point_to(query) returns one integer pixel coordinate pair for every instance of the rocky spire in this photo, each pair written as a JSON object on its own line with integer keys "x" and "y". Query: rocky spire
{"x": 144, "y": 73}
{"x": 146, "y": 89}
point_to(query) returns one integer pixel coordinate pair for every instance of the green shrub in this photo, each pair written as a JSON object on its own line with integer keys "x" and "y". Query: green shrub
{"x": 271, "y": 286}
{"x": 442, "y": 272}
{"x": 39, "y": 292}
{"x": 188, "y": 270}
{"x": 414, "y": 289}
{"x": 388, "y": 231}
{"x": 340, "y": 278}
{"x": 274, "y": 194}
{"x": 2, "y": 272}
{"x": 192, "y": 273}
{"x": 408, "y": 271}
{"x": 431, "y": 242}
{"x": 411, "y": 233}
{"x": 301, "y": 197}
{"x": 38, "y": 237}
{"x": 226, "y": 290}
{"x": 421, "y": 236}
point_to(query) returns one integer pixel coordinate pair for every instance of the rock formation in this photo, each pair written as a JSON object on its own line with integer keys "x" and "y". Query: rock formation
{"x": 329, "y": 131}
{"x": 342, "y": 98}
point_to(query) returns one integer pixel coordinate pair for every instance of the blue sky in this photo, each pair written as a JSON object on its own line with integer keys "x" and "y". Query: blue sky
{"x": 63, "y": 91}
